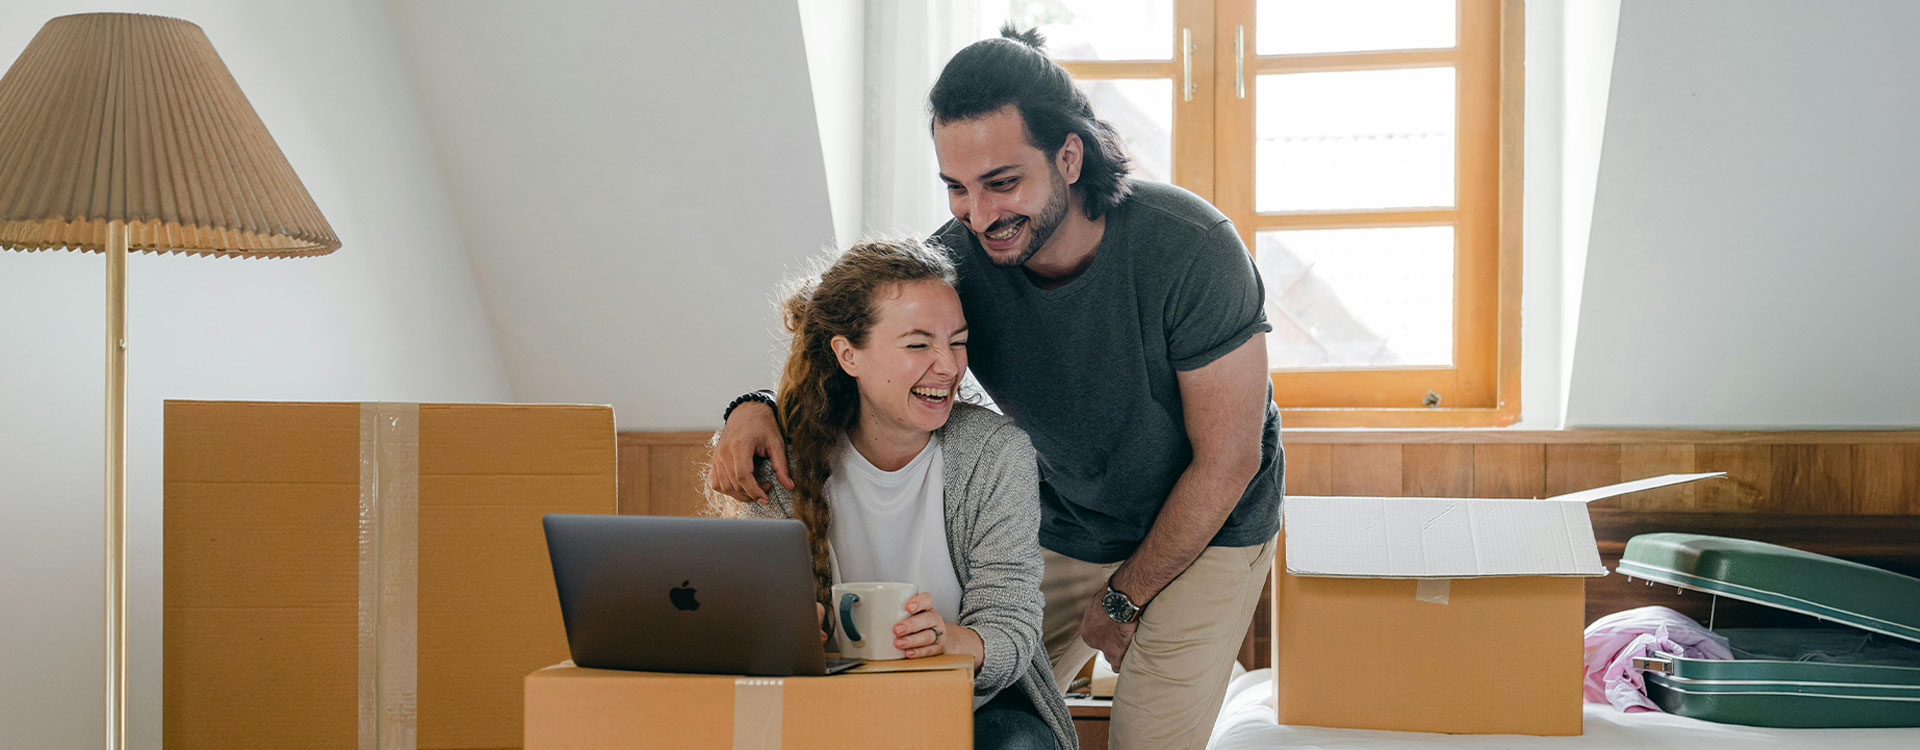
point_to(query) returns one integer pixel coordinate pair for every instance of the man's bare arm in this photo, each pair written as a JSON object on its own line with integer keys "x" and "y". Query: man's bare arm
{"x": 1225, "y": 408}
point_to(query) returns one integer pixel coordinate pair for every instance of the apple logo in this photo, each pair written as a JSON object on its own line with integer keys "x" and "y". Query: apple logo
{"x": 682, "y": 598}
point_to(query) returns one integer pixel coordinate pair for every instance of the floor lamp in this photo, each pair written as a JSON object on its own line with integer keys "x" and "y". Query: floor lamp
{"x": 122, "y": 132}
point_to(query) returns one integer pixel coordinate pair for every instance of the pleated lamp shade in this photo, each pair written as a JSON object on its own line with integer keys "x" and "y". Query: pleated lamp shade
{"x": 133, "y": 118}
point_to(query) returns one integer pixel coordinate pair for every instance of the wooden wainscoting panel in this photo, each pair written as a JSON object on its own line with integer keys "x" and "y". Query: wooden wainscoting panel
{"x": 1309, "y": 469}
{"x": 636, "y": 478}
{"x": 1639, "y": 461}
{"x": 1748, "y": 485}
{"x": 1812, "y": 479}
{"x": 1365, "y": 470}
{"x": 1616, "y": 437}
{"x": 1886, "y": 479}
{"x": 1572, "y": 467}
{"x": 1440, "y": 470}
{"x": 1851, "y": 494}
{"x": 675, "y": 486}
{"x": 1509, "y": 471}
{"x": 659, "y": 472}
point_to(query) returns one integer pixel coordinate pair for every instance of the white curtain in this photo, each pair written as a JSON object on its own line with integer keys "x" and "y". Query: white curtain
{"x": 907, "y": 43}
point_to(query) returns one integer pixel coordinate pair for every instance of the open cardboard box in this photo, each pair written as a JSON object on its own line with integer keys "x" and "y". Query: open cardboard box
{"x": 1460, "y": 615}
{"x": 920, "y": 703}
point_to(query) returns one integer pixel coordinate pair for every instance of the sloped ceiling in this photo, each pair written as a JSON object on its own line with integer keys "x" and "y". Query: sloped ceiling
{"x": 631, "y": 179}
{"x": 1753, "y": 249}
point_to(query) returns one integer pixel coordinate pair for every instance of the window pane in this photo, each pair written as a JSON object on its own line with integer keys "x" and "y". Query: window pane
{"x": 1099, "y": 29}
{"x": 1358, "y": 298}
{"x": 1292, "y": 27}
{"x": 1369, "y": 139}
{"x": 1142, "y": 110}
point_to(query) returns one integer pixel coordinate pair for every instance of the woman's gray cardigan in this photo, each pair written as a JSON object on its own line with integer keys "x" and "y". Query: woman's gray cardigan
{"x": 992, "y": 491}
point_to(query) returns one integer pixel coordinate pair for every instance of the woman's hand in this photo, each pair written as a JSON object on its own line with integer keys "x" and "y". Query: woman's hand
{"x": 822, "y": 609}
{"x": 923, "y": 632}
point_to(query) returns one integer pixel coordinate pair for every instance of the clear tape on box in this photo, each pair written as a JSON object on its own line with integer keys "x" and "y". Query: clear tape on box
{"x": 1433, "y": 590}
{"x": 389, "y": 575}
{"x": 757, "y": 713}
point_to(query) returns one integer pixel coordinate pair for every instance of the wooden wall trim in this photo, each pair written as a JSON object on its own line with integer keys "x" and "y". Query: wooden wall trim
{"x": 1602, "y": 437}
{"x": 1846, "y": 493}
{"x": 1470, "y": 436}
{"x": 665, "y": 438}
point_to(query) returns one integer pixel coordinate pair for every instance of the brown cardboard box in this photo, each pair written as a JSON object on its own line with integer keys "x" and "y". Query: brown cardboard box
{"x": 569, "y": 708}
{"x": 1501, "y": 657}
{"x": 1458, "y": 615}
{"x": 262, "y": 567}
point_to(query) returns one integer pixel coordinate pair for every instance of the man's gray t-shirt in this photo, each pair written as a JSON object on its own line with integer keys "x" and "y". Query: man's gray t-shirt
{"x": 1088, "y": 368}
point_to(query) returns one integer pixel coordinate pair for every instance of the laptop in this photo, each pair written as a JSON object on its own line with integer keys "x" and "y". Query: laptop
{"x": 707, "y": 595}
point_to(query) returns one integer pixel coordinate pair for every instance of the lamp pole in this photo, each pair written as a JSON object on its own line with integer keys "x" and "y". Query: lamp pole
{"x": 116, "y": 459}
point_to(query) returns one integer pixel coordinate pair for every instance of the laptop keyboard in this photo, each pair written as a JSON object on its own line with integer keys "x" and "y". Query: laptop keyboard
{"x": 838, "y": 664}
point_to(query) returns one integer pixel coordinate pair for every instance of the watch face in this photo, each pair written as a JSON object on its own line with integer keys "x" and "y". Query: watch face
{"x": 1117, "y": 606}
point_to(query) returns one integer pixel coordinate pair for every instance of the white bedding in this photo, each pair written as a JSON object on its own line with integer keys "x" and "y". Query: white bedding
{"x": 1247, "y": 723}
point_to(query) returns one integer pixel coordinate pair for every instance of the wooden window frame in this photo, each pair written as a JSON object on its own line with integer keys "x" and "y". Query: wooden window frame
{"x": 1213, "y": 141}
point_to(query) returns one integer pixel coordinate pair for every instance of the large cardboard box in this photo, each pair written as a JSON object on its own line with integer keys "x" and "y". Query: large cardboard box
{"x": 920, "y": 703}
{"x": 1436, "y": 614}
{"x": 275, "y": 635}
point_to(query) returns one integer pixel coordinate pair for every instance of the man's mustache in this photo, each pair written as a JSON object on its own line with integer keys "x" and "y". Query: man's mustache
{"x": 1004, "y": 223}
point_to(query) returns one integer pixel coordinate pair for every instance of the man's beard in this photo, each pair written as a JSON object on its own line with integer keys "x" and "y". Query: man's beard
{"x": 1040, "y": 228}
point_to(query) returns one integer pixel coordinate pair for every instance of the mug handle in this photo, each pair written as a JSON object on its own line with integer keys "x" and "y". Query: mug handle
{"x": 846, "y": 616}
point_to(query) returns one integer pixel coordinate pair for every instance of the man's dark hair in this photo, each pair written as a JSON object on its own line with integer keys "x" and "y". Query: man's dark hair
{"x": 1012, "y": 69}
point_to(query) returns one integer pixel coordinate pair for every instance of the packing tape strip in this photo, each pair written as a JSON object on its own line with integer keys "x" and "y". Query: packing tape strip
{"x": 1432, "y": 590}
{"x": 756, "y": 713}
{"x": 389, "y": 575}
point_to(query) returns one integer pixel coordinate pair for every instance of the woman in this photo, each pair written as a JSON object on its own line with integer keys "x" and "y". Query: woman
{"x": 897, "y": 482}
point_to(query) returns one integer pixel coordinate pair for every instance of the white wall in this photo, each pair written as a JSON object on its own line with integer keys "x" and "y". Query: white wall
{"x": 632, "y": 179}
{"x": 1754, "y": 250}
{"x": 392, "y": 315}
{"x": 1587, "y": 40}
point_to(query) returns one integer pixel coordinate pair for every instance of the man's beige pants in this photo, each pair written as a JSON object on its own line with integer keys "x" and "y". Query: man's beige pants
{"x": 1174, "y": 676}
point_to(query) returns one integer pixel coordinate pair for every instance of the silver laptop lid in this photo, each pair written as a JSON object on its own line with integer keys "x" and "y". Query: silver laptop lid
{"x": 664, "y": 594}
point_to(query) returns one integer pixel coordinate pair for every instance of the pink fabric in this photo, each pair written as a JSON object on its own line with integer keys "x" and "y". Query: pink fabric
{"x": 1614, "y": 640}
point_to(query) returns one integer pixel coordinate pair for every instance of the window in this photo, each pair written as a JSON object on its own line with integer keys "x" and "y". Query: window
{"x": 1369, "y": 153}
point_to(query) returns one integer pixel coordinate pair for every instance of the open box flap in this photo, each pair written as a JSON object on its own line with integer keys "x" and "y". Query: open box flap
{"x": 1615, "y": 490}
{"x": 1441, "y": 537}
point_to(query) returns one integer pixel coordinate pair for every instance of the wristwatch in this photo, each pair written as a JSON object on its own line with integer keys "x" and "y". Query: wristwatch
{"x": 1119, "y": 608}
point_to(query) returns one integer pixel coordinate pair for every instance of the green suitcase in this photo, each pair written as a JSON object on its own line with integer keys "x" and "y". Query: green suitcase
{"x": 1867, "y": 675}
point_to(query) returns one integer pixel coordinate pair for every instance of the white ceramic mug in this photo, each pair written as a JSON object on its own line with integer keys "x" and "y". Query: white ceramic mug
{"x": 864, "y": 614}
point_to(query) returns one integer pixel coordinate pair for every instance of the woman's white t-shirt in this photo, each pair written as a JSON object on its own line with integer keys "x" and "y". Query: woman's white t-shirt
{"x": 892, "y": 525}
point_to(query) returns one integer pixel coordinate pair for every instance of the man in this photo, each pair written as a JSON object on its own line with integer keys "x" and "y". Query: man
{"x": 1119, "y": 323}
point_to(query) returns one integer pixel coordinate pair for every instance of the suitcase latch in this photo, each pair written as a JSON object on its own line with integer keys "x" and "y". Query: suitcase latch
{"x": 1653, "y": 664}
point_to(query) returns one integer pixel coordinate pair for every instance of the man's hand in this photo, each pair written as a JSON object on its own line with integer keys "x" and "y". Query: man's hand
{"x": 1102, "y": 633}
{"x": 750, "y": 433}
